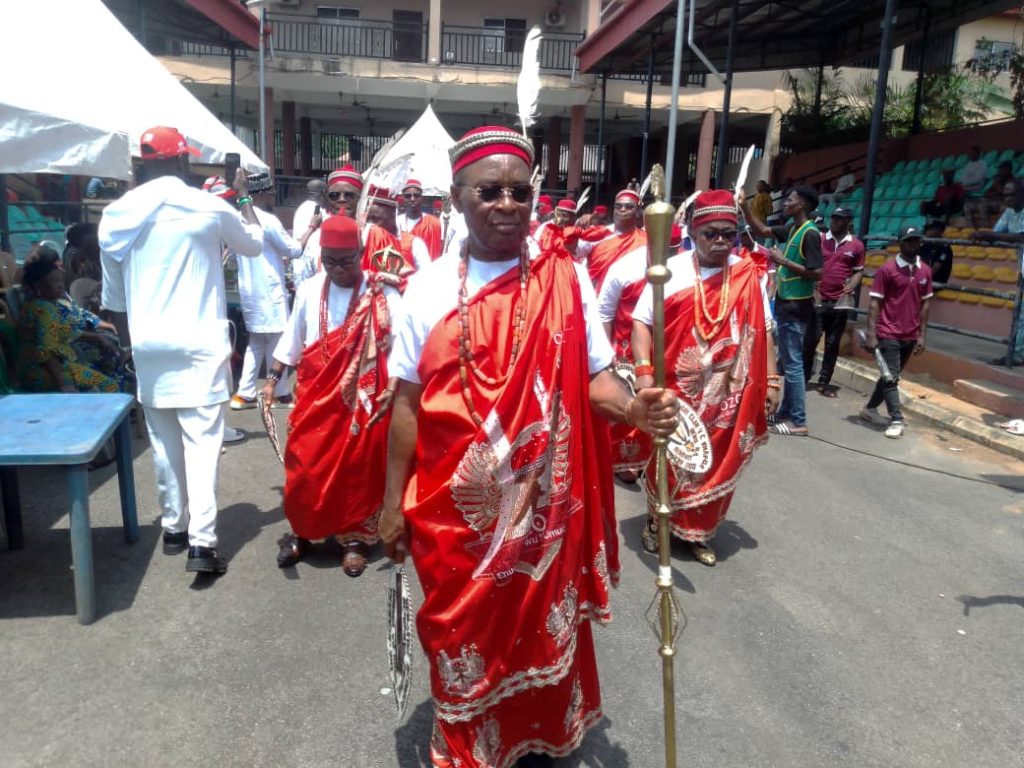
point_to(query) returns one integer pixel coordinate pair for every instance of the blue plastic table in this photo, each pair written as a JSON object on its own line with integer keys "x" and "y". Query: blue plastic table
{"x": 68, "y": 430}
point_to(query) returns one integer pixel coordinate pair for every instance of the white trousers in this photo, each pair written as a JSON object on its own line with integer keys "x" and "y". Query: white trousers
{"x": 260, "y": 350}
{"x": 186, "y": 450}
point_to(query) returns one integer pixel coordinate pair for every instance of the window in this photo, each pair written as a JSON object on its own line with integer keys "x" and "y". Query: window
{"x": 937, "y": 50}
{"x": 991, "y": 56}
{"x": 509, "y": 35}
{"x": 330, "y": 12}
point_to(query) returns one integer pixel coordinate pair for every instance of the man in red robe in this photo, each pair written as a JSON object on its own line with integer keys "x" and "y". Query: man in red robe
{"x": 627, "y": 237}
{"x": 720, "y": 360}
{"x": 382, "y": 213}
{"x": 337, "y": 336}
{"x": 623, "y": 285}
{"x": 427, "y": 228}
{"x": 493, "y": 471}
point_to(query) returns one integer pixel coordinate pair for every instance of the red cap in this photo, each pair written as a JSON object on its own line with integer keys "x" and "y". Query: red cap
{"x": 438, "y": 205}
{"x": 543, "y": 209}
{"x": 223, "y": 191}
{"x": 628, "y": 194}
{"x": 339, "y": 232}
{"x": 565, "y": 204}
{"x": 381, "y": 196}
{"x": 714, "y": 205}
{"x": 412, "y": 184}
{"x": 677, "y": 236}
{"x": 347, "y": 174}
{"x": 489, "y": 140}
{"x": 162, "y": 143}
{"x": 212, "y": 181}
{"x": 545, "y": 200}
{"x": 601, "y": 210}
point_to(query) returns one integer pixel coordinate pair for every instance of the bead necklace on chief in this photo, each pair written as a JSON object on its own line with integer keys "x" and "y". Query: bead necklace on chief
{"x": 708, "y": 325}
{"x": 466, "y": 361}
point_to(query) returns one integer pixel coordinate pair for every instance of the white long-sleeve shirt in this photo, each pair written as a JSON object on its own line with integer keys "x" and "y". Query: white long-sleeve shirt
{"x": 261, "y": 283}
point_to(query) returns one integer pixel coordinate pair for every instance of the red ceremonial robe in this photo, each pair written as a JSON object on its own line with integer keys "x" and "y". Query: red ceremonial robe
{"x": 513, "y": 542}
{"x": 428, "y": 229}
{"x": 630, "y": 447}
{"x": 610, "y": 250}
{"x": 334, "y": 465}
{"x": 725, "y": 380}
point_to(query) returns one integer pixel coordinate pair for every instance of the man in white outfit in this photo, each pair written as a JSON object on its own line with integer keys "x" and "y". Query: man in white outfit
{"x": 162, "y": 279}
{"x": 315, "y": 202}
{"x": 261, "y": 287}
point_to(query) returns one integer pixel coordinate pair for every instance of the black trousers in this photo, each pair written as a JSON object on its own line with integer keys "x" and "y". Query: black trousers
{"x": 830, "y": 323}
{"x": 896, "y": 354}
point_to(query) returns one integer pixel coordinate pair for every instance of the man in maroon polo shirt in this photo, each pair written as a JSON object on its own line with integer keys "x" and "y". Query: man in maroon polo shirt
{"x": 897, "y": 320}
{"x": 843, "y": 256}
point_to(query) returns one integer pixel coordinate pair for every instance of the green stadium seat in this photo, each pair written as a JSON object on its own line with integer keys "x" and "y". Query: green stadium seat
{"x": 990, "y": 156}
{"x": 959, "y": 162}
{"x": 918, "y": 191}
{"x": 899, "y": 167}
{"x": 855, "y": 196}
{"x": 1006, "y": 154}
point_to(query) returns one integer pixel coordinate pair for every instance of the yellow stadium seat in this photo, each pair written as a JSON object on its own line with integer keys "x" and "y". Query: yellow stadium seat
{"x": 992, "y": 301}
{"x": 960, "y": 251}
{"x": 999, "y": 254}
{"x": 946, "y": 295}
{"x": 875, "y": 260}
{"x": 968, "y": 298}
{"x": 867, "y": 280}
{"x": 982, "y": 273}
{"x": 962, "y": 271}
{"x": 976, "y": 252}
{"x": 1004, "y": 275}
{"x": 951, "y": 232}
{"x": 893, "y": 248}
{"x": 1009, "y": 304}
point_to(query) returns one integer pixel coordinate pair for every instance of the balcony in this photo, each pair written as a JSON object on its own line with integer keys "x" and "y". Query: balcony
{"x": 495, "y": 47}
{"x": 395, "y": 40}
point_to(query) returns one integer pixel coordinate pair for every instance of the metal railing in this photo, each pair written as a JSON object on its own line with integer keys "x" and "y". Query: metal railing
{"x": 1017, "y": 297}
{"x": 400, "y": 41}
{"x": 482, "y": 46}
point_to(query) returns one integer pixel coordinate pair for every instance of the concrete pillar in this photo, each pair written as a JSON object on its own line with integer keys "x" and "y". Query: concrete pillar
{"x": 434, "y": 33}
{"x": 270, "y": 159}
{"x": 705, "y": 149}
{"x": 554, "y": 139}
{"x": 577, "y": 136}
{"x": 591, "y": 15}
{"x": 288, "y": 138}
{"x": 306, "y": 145}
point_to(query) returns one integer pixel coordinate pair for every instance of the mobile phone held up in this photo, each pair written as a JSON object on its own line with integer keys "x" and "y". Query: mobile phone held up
{"x": 232, "y": 162}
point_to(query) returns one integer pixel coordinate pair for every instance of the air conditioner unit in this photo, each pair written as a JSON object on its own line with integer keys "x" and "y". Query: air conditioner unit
{"x": 555, "y": 18}
{"x": 449, "y": 57}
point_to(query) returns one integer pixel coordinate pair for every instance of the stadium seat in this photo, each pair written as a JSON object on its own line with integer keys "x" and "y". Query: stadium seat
{"x": 899, "y": 167}
{"x": 968, "y": 298}
{"x": 990, "y": 156}
{"x": 992, "y": 301}
{"x": 999, "y": 254}
{"x": 867, "y": 281}
{"x": 918, "y": 191}
{"x": 1006, "y": 154}
{"x": 962, "y": 271}
{"x": 976, "y": 252}
{"x": 1004, "y": 275}
{"x": 855, "y": 196}
{"x": 951, "y": 233}
{"x": 959, "y": 162}
{"x": 982, "y": 273}
{"x": 945, "y": 295}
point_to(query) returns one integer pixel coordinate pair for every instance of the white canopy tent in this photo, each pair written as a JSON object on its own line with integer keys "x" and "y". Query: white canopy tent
{"x": 81, "y": 118}
{"x": 428, "y": 143}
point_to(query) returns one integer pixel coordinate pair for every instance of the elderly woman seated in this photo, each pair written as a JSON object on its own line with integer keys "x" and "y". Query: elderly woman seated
{"x": 47, "y": 361}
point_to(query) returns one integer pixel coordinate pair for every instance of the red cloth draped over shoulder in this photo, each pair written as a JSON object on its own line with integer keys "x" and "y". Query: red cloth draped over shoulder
{"x": 334, "y": 464}
{"x": 610, "y": 250}
{"x": 630, "y": 447}
{"x": 725, "y": 380}
{"x": 510, "y": 519}
{"x": 428, "y": 229}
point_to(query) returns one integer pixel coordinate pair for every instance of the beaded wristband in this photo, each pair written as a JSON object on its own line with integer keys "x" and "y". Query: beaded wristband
{"x": 642, "y": 361}
{"x": 644, "y": 370}
{"x": 244, "y": 201}
{"x": 273, "y": 375}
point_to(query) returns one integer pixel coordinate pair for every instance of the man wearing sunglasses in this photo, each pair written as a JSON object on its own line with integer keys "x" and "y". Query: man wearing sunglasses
{"x": 502, "y": 368}
{"x": 626, "y": 237}
{"x": 382, "y": 214}
{"x": 414, "y": 221}
{"x": 337, "y": 337}
{"x": 344, "y": 186}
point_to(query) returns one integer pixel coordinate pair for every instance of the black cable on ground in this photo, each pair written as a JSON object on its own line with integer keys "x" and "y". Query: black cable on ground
{"x": 1018, "y": 489}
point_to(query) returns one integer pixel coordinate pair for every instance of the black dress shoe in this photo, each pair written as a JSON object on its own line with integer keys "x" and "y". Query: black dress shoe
{"x": 293, "y": 549}
{"x": 205, "y": 560}
{"x": 175, "y": 543}
{"x": 536, "y": 760}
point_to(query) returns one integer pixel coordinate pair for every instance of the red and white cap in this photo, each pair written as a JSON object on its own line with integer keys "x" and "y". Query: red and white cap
{"x": 567, "y": 204}
{"x": 714, "y": 205}
{"x": 412, "y": 184}
{"x": 347, "y": 174}
{"x": 163, "y": 143}
{"x": 381, "y": 196}
{"x": 489, "y": 140}
{"x": 628, "y": 194}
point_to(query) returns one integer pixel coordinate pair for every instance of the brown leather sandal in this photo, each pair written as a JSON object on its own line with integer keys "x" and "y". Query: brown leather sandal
{"x": 353, "y": 561}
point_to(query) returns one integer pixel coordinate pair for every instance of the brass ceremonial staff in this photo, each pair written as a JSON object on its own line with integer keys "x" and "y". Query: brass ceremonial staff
{"x": 664, "y": 611}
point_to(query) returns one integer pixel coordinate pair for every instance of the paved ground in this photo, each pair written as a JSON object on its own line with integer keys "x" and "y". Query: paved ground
{"x": 863, "y": 614}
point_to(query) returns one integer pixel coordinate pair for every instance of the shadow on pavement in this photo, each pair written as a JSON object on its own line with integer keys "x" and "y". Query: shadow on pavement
{"x": 629, "y": 529}
{"x": 597, "y": 750}
{"x": 38, "y": 580}
{"x": 730, "y": 539}
{"x": 1013, "y": 483}
{"x": 412, "y": 738}
{"x": 970, "y": 601}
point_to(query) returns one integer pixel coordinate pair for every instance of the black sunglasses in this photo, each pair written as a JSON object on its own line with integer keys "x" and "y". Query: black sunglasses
{"x": 339, "y": 195}
{"x": 412, "y": 195}
{"x": 491, "y": 193}
{"x": 346, "y": 261}
{"x": 718, "y": 234}
{"x": 624, "y": 207}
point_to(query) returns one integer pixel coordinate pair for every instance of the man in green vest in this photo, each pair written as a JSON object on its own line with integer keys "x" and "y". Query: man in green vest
{"x": 799, "y": 267}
